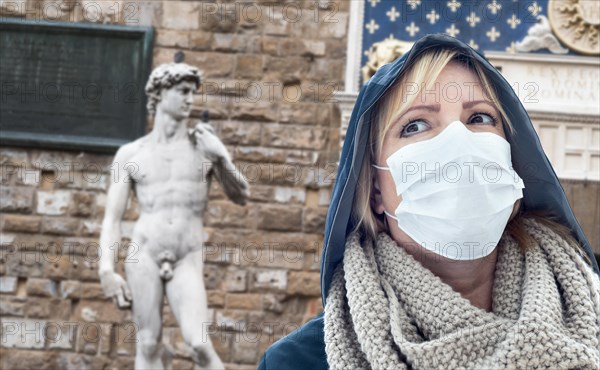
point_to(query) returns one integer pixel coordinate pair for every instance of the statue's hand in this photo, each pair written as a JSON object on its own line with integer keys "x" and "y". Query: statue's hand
{"x": 208, "y": 142}
{"x": 115, "y": 286}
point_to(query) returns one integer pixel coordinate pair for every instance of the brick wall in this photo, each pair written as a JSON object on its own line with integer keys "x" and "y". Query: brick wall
{"x": 262, "y": 260}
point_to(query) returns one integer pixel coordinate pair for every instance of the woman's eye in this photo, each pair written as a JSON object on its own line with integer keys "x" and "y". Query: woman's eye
{"x": 413, "y": 127}
{"x": 482, "y": 119}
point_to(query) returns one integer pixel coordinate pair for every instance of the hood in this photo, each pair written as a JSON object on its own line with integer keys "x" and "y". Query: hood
{"x": 543, "y": 190}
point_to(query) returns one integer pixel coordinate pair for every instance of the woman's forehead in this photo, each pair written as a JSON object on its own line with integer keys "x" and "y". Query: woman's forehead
{"x": 456, "y": 82}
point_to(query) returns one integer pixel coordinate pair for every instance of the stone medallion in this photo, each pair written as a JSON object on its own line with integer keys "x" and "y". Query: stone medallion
{"x": 577, "y": 24}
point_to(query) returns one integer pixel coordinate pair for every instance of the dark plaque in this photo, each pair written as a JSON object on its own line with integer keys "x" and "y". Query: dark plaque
{"x": 72, "y": 85}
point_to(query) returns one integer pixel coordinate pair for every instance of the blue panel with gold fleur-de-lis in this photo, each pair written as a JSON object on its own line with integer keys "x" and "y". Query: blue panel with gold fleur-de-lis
{"x": 487, "y": 25}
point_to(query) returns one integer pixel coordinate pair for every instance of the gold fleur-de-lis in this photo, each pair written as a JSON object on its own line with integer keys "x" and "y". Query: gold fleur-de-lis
{"x": 473, "y": 19}
{"x": 494, "y": 7}
{"x": 473, "y": 44}
{"x": 432, "y": 16}
{"x": 453, "y": 5}
{"x": 534, "y": 9}
{"x": 372, "y": 26}
{"x": 413, "y": 3}
{"x": 393, "y": 14}
{"x": 492, "y": 34}
{"x": 452, "y": 30}
{"x": 513, "y": 21}
{"x": 512, "y": 49}
{"x": 374, "y": 2}
{"x": 412, "y": 29}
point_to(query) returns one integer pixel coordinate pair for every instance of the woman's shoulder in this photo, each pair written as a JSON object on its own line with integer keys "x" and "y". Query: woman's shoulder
{"x": 304, "y": 348}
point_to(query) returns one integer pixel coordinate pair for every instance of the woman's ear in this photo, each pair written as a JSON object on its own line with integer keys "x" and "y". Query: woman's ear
{"x": 376, "y": 198}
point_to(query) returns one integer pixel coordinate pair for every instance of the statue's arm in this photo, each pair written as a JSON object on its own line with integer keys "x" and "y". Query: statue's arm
{"x": 234, "y": 184}
{"x": 110, "y": 236}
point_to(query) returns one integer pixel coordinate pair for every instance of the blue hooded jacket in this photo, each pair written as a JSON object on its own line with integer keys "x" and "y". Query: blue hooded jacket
{"x": 305, "y": 347}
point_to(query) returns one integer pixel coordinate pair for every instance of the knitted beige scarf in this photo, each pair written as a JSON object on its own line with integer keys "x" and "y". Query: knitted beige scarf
{"x": 386, "y": 311}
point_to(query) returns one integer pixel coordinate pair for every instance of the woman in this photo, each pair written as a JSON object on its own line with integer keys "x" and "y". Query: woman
{"x": 438, "y": 254}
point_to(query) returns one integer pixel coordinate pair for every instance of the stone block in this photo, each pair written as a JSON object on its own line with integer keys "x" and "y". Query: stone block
{"x": 262, "y": 110}
{"x": 270, "y": 45}
{"x": 83, "y": 203}
{"x": 230, "y": 319}
{"x": 336, "y": 26}
{"x": 314, "y": 138}
{"x": 261, "y": 193}
{"x": 299, "y": 113}
{"x": 314, "y": 220}
{"x": 229, "y": 42}
{"x": 93, "y": 291}
{"x": 181, "y": 15}
{"x": 289, "y": 195}
{"x": 302, "y": 157}
{"x": 245, "y": 351}
{"x": 91, "y": 227}
{"x": 22, "y": 333}
{"x": 83, "y": 268}
{"x": 125, "y": 339}
{"x": 276, "y": 24}
{"x": 226, "y": 214}
{"x": 8, "y": 284}
{"x": 288, "y": 218}
{"x": 259, "y": 154}
{"x": 289, "y": 258}
{"x": 240, "y": 133}
{"x": 212, "y": 64}
{"x": 96, "y": 182}
{"x": 53, "y": 203}
{"x": 19, "y": 223}
{"x": 304, "y": 283}
{"x": 222, "y": 342}
{"x": 287, "y": 70}
{"x": 29, "y": 359}
{"x": 60, "y": 334}
{"x": 95, "y": 311}
{"x": 41, "y": 287}
{"x": 60, "y": 225}
{"x": 243, "y": 301}
{"x": 25, "y": 264}
{"x": 269, "y": 280}
{"x": 16, "y": 199}
{"x": 12, "y": 306}
{"x": 235, "y": 280}
{"x": 274, "y": 302}
{"x": 200, "y": 40}
{"x": 28, "y": 177}
{"x": 47, "y": 308}
{"x": 216, "y": 298}
{"x": 219, "y": 17}
{"x": 70, "y": 289}
{"x": 249, "y": 66}
{"x": 173, "y": 38}
{"x": 212, "y": 276}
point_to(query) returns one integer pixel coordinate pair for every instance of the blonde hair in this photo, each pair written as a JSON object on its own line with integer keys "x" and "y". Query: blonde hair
{"x": 423, "y": 72}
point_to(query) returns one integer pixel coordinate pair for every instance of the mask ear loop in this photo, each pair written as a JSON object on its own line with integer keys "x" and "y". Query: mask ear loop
{"x": 380, "y": 167}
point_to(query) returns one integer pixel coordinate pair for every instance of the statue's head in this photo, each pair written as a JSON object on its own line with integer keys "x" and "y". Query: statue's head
{"x": 170, "y": 88}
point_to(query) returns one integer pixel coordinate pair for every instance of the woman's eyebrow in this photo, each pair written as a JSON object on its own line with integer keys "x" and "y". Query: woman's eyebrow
{"x": 430, "y": 108}
{"x": 470, "y": 104}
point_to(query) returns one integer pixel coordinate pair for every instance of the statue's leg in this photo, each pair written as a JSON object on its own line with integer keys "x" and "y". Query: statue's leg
{"x": 147, "y": 292}
{"x": 187, "y": 297}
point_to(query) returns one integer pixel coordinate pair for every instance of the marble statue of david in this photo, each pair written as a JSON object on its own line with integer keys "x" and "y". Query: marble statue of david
{"x": 169, "y": 170}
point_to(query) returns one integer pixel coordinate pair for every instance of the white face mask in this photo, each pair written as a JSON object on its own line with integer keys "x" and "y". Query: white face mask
{"x": 458, "y": 191}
